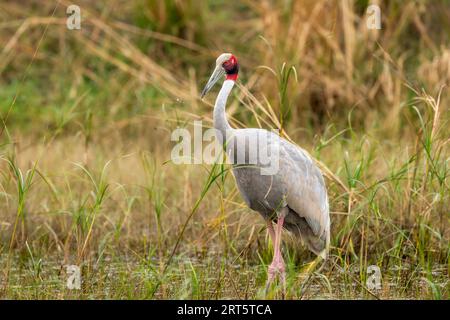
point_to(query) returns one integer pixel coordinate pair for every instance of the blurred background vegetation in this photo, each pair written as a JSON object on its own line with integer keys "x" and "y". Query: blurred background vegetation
{"x": 85, "y": 144}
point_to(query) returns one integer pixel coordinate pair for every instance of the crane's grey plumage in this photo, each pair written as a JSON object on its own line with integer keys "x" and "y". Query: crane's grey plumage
{"x": 294, "y": 196}
{"x": 298, "y": 186}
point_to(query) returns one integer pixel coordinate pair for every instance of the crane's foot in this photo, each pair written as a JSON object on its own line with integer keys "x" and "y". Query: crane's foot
{"x": 277, "y": 267}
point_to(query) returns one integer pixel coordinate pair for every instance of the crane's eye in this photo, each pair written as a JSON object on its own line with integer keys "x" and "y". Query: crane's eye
{"x": 227, "y": 65}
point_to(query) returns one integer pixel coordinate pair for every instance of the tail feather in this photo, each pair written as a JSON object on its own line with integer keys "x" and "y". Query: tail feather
{"x": 317, "y": 244}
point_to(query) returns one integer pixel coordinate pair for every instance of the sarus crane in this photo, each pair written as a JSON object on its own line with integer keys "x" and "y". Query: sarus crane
{"x": 294, "y": 197}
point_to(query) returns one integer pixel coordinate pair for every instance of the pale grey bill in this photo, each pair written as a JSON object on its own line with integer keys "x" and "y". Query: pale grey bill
{"x": 218, "y": 73}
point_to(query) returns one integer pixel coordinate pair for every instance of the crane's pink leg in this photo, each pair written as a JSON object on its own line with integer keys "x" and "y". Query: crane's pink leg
{"x": 277, "y": 265}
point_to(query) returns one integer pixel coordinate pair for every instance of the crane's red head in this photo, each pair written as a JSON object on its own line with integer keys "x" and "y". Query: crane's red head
{"x": 231, "y": 68}
{"x": 226, "y": 64}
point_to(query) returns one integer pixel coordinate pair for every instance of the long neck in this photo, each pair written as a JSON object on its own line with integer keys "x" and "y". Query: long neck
{"x": 220, "y": 117}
